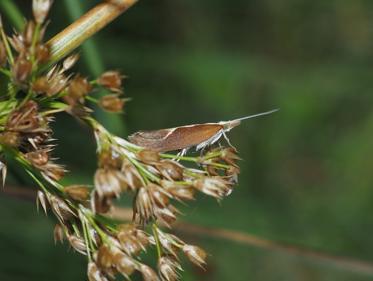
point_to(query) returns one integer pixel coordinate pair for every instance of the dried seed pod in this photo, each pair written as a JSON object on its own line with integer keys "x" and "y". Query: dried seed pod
{"x": 105, "y": 257}
{"x": 58, "y": 233}
{"x": 108, "y": 182}
{"x": 166, "y": 215}
{"x": 21, "y": 69}
{"x": 25, "y": 119}
{"x": 60, "y": 208}
{"x": 42, "y": 54}
{"x": 131, "y": 175}
{"x": 144, "y": 205}
{"x": 195, "y": 254}
{"x": 170, "y": 243}
{"x": 148, "y": 156}
{"x": 178, "y": 191}
{"x": 78, "y": 192}
{"x": 230, "y": 156}
{"x": 40, "y": 9}
{"x": 78, "y": 88}
{"x": 100, "y": 205}
{"x": 38, "y": 158}
{"x": 148, "y": 274}
{"x": 112, "y": 103}
{"x": 168, "y": 268}
{"x": 78, "y": 244}
{"x": 42, "y": 199}
{"x": 94, "y": 274}
{"x": 111, "y": 80}
{"x": 124, "y": 264}
{"x": 213, "y": 186}
{"x": 41, "y": 85}
{"x": 132, "y": 240}
{"x": 159, "y": 196}
{"x": 70, "y": 61}
{"x": 108, "y": 159}
{"x": 28, "y": 33}
{"x": 11, "y": 139}
{"x": 170, "y": 169}
{"x": 53, "y": 172}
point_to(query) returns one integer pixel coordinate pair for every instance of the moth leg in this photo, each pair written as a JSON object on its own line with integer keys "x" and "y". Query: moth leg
{"x": 227, "y": 139}
{"x": 181, "y": 153}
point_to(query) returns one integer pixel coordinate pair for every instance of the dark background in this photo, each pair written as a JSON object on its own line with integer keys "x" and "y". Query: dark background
{"x": 307, "y": 170}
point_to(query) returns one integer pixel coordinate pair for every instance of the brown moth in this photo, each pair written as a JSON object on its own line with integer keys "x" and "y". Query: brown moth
{"x": 185, "y": 137}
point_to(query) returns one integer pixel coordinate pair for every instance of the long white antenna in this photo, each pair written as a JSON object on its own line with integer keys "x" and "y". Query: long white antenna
{"x": 257, "y": 115}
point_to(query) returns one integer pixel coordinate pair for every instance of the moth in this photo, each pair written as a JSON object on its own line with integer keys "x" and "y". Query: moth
{"x": 185, "y": 137}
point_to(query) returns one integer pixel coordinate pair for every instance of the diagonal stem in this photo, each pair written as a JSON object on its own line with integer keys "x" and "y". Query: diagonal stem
{"x": 86, "y": 26}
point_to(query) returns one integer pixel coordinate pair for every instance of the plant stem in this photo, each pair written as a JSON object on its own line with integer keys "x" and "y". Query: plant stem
{"x": 13, "y": 13}
{"x": 93, "y": 21}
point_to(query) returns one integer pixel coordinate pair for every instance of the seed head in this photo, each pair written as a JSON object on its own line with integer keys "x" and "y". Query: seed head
{"x": 78, "y": 192}
{"x": 11, "y": 139}
{"x": 213, "y": 186}
{"x": 168, "y": 268}
{"x": 148, "y": 156}
{"x": 109, "y": 182}
{"x": 94, "y": 274}
{"x": 144, "y": 205}
{"x": 77, "y": 244}
{"x": 21, "y": 70}
{"x": 112, "y": 103}
{"x": 58, "y": 233}
{"x": 148, "y": 274}
{"x": 42, "y": 199}
{"x": 40, "y": 9}
{"x": 124, "y": 264}
{"x": 111, "y": 80}
{"x": 170, "y": 169}
{"x": 195, "y": 254}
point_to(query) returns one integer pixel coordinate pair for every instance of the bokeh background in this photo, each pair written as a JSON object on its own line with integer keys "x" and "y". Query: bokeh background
{"x": 307, "y": 171}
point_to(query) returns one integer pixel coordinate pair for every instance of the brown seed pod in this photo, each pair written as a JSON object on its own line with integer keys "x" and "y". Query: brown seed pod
{"x": 112, "y": 103}
{"x": 111, "y": 80}
{"x": 170, "y": 169}
{"x": 78, "y": 192}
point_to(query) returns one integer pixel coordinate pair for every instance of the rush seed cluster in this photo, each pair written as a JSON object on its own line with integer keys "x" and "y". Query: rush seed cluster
{"x": 156, "y": 181}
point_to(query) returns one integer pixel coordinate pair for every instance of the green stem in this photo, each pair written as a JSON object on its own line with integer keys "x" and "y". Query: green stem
{"x": 13, "y": 13}
{"x": 93, "y": 60}
{"x": 156, "y": 238}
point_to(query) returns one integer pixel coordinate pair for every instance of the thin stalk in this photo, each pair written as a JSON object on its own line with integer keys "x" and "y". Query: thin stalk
{"x": 85, "y": 27}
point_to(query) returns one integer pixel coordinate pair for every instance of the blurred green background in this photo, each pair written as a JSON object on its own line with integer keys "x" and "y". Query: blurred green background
{"x": 306, "y": 175}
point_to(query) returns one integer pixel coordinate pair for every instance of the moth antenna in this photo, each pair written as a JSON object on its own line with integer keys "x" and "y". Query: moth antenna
{"x": 228, "y": 125}
{"x": 257, "y": 115}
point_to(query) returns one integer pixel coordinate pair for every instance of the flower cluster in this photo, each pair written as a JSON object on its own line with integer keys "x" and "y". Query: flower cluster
{"x": 37, "y": 90}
